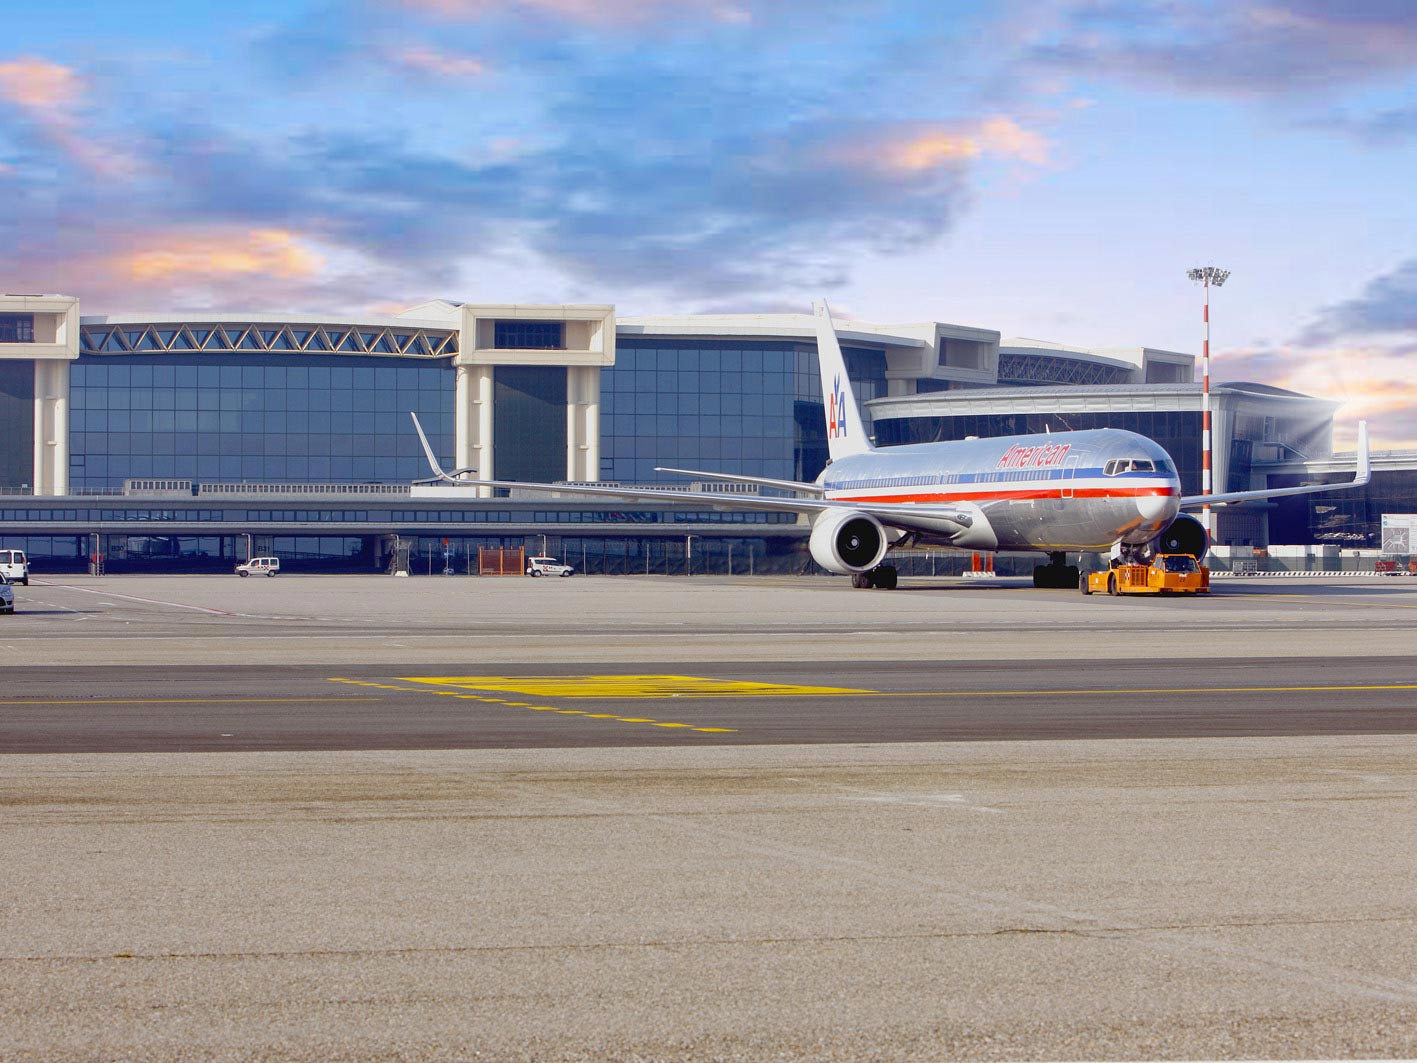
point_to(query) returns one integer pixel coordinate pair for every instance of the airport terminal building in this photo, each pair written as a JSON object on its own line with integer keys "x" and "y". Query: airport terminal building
{"x": 172, "y": 439}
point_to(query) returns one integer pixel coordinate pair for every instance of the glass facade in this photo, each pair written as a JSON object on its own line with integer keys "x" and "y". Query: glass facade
{"x": 1351, "y": 518}
{"x": 529, "y": 422}
{"x": 1179, "y": 432}
{"x": 254, "y": 417}
{"x": 752, "y": 408}
{"x": 17, "y": 415}
{"x": 16, "y": 328}
{"x": 529, "y": 335}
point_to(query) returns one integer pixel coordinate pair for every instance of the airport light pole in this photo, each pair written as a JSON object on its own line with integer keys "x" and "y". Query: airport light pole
{"x": 1208, "y": 276}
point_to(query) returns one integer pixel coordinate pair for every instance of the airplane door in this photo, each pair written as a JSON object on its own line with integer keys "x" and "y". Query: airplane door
{"x": 1070, "y": 468}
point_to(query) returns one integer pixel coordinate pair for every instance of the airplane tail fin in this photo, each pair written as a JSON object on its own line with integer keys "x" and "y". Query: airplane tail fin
{"x": 845, "y": 432}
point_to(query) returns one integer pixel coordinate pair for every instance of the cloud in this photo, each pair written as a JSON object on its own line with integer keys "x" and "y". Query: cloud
{"x": 1377, "y": 130}
{"x": 48, "y": 91}
{"x": 432, "y": 62}
{"x": 1361, "y": 352}
{"x": 1249, "y": 47}
{"x": 918, "y": 148}
{"x": 51, "y": 96}
{"x": 213, "y": 255}
{"x": 1387, "y": 305}
{"x": 589, "y": 12}
{"x": 697, "y": 168}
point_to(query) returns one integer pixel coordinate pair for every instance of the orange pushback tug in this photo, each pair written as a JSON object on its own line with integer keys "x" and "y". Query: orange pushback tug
{"x": 1167, "y": 574}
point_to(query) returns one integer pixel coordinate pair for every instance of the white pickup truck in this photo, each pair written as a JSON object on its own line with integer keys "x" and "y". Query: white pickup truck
{"x": 547, "y": 566}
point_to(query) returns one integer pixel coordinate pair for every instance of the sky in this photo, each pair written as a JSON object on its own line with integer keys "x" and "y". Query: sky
{"x": 1049, "y": 169}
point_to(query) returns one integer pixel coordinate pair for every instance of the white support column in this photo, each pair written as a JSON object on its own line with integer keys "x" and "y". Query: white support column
{"x": 61, "y": 427}
{"x": 583, "y": 422}
{"x": 481, "y": 450}
{"x": 573, "y": 424}
{"x": 462, "y": 419}
{"x": 38, "y": 481}
{"x": 51, "y": 427}
{"x": 592, "y": 422}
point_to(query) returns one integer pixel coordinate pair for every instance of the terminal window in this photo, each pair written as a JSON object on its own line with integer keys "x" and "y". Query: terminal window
{"x": 16, "y": 328}
{"x": 530, "y": 335}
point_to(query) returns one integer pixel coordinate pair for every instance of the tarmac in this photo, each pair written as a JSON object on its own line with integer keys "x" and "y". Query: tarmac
{"x": 1137, "y": 898}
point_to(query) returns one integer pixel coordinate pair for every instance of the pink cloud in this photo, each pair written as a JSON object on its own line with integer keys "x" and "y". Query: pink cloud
{"x": 435, "y": 63}
{"x": 591, "y": 12}
{"x": 51, "y": 96}
{"x": 919, "y": 148}
{"x": 209, "y": 255}
{"x": 48, "y": 91}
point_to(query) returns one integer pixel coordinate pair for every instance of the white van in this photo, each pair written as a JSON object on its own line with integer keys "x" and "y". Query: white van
{"x": 14, "y": 567}
{"x": 547, "y": 566}
{"x": 260, "y": 566}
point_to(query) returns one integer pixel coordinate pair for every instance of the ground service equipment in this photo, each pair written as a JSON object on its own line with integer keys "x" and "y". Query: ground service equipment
{"x": 1166, "y": 574}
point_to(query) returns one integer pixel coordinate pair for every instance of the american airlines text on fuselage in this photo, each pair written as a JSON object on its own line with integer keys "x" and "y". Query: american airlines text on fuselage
{"x": 1046, "y": 456}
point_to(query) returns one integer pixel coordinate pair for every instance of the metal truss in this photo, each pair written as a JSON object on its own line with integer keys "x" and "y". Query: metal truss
{"x": 1048, "y": 369}
{"x": 227, "y": 336}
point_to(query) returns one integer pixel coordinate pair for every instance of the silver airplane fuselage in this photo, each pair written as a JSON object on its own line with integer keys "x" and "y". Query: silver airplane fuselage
{"x": 1055, "y": 492}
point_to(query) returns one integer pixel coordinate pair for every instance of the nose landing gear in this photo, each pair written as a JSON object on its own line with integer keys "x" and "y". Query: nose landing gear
{"x": 1056, "y": 575}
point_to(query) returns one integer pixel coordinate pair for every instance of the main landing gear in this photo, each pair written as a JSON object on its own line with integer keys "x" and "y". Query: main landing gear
{"x": 1056, "y": 575}
{"x": 882, "y": 576}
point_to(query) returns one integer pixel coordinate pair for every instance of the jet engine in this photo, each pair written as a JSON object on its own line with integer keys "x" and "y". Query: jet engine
{"x": 1184, "y": 535}
{"x": 847, "y": 541}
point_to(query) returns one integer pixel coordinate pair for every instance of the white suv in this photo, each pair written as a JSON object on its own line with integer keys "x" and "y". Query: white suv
{"x": 547, "y": 566}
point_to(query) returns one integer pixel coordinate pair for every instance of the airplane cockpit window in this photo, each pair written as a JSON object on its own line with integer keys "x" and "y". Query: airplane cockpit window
{"x": 1120, "y": 465}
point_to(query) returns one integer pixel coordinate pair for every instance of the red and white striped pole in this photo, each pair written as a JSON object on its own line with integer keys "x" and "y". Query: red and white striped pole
{"x": 1207, "y": 275}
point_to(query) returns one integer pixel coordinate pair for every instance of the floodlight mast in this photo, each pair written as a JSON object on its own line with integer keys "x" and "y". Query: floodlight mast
{"x": 1208, "y": 276}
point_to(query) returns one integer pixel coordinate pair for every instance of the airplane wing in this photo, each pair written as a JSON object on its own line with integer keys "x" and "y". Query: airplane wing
{"x": 905, "y": 516}
{"x": 798, "y": 486}
{"x": 1364, "y": 474}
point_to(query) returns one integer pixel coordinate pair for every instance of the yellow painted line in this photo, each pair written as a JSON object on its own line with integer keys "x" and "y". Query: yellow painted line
{"x": 184, "y": 701}
{"x": 1090, "y": 692}
{"x": 629, "y": 686}
{"x": 457, "y": 693}
{"x": 1138, "y": 690}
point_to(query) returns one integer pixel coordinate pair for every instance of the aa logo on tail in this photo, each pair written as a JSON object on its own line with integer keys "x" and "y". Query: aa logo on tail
{"x": 836, "y": 411}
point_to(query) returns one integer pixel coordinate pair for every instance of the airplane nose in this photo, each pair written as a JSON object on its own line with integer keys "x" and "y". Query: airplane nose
{"x": 1157, "y": 507}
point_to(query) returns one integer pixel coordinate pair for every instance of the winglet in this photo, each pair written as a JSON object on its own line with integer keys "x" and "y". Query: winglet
{"x": 438, "y": 473}
{"x": 428, "y": 449}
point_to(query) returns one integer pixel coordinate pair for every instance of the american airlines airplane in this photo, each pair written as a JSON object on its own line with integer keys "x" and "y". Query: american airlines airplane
{"x": 1103, "y": 490}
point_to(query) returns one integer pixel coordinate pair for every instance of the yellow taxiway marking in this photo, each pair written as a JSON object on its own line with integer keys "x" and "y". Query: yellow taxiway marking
{"x": 457, "y": 693}
{"x": 629, "y": 686}
{"x": 183, "y": 701}
{"x": 1137, "y": 690}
